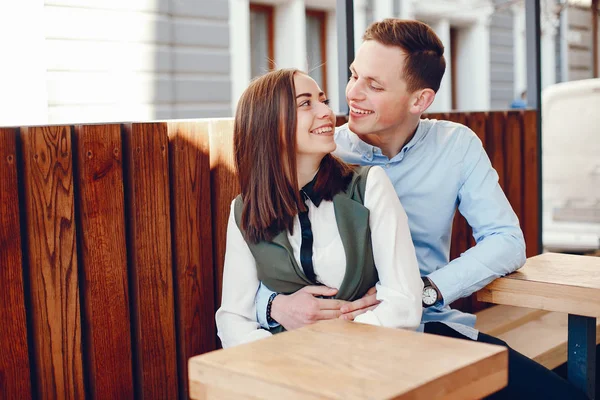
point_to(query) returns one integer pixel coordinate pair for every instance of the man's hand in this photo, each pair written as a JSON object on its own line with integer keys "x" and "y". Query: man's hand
{"x": 366, "y": 303}
{"x": 303, "y": 308}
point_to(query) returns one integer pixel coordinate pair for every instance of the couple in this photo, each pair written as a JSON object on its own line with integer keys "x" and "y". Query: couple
{"x": 311, "y": 237}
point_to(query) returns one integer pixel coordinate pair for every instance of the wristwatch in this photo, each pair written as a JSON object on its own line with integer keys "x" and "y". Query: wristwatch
{"x": 430, "y": 293}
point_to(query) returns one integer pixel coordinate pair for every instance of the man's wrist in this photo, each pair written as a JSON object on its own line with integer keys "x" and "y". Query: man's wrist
{"x": 429, "y": 284}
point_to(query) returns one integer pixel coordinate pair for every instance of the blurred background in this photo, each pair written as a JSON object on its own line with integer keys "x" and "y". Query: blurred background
{"x": 75, "y": 61}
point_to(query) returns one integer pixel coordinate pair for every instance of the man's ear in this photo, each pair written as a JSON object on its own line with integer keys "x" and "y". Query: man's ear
{"x": 422, "y": 100}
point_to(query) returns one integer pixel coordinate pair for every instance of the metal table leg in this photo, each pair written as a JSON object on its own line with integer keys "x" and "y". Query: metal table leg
{"x": 581, "y": 362}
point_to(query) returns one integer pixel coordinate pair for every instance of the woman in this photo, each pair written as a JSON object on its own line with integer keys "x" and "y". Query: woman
{"x": 305, "y": 218}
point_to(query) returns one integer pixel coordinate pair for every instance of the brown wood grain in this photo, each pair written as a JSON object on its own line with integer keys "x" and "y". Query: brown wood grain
{"x": 553, "y": 282}
{"x": 14, "y": 353}
{"x": 494, "y": 144}
{"x": 150, "y": 260}
{"x": 103, "y": 251}
{"x": 192, "y": 241}
{"x": 477, "y": 121}
{"x": 225, "y": 186}
{"x": 52, "y": 259}
{"x": 531, "y": 184}
{"x": 319, "y": 361}
{"x": 513, "y": 162}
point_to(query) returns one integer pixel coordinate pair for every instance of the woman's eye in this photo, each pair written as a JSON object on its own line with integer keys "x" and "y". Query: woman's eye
{"x": 305, "y": 103}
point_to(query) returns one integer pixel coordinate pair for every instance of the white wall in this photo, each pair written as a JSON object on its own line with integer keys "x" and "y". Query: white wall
{"x": 289, "y": 42}
{"x": 471, "y": 17}
{"x": 473, "y": 68}
{"x": 443, "y": 98}
{"x": 290, "y": 35}
{"x": 107, "y": 60}
{"x": 23, "y": 98}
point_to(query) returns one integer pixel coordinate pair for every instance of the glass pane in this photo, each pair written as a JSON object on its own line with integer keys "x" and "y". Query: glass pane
{"x": 259, "y": 42}
{"x": 316, "y": 67}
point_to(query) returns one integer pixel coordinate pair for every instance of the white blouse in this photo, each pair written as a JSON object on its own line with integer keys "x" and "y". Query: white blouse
{"x": 399, "y": 288}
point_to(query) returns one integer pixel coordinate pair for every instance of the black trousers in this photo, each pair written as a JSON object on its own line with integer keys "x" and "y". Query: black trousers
{"x": 526, "y": 378}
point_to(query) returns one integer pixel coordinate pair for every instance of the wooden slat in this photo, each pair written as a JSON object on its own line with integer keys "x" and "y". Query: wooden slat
{"x": 225, "y": 186}
{"x": 14, "y": 356}
{"x": 494, "y": 144}
{"x": 531, "y": 184}
{"x": 52, "y": 258}
{"x": 513, "y": 162}
{"x": 151, "y": 274}
{"x": 103, "y": 254}
{"x": 477, "y": 121}
{"x": 192, "y": 242}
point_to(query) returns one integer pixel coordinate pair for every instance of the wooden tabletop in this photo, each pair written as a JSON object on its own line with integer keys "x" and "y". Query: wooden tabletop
{"x": 553, "y": 282}
{"x": 345, "y": 360}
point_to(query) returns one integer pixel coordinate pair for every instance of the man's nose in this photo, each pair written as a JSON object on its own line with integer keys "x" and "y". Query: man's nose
{"x": 354, "y": 91}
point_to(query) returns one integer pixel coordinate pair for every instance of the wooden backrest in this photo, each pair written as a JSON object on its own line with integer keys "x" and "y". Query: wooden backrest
{"x": 112, "y": 239}
{"x": 106, "y": 259}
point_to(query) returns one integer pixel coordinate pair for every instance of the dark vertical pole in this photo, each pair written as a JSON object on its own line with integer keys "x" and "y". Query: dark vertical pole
{"x": 345, "y": 36}
{"x": 534, "y": 86}
{"x": 581, "y": 361}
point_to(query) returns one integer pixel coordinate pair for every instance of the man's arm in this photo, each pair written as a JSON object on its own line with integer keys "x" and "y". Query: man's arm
{"x": 297, "y": 309}
{"x": 500, "y": 245}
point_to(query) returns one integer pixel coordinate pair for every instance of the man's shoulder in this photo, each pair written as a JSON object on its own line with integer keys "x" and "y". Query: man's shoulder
{"x": 450, "y": 134}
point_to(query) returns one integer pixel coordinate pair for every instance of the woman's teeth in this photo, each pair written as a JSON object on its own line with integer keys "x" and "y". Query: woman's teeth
{"x": 320, "y": 131}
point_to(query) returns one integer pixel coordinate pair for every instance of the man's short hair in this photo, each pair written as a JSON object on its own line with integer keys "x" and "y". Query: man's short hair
{"x": 425, "y": 63}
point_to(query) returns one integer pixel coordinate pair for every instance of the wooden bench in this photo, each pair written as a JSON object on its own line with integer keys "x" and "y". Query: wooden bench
{"x": 561, "y": 283}
{"x": 112, "y": 239}
{"x": 538, "y": 334}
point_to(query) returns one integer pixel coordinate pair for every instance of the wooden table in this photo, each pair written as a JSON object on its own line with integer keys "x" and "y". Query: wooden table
{"x": 563, "y": 283}
{"x": 345, "y": 360}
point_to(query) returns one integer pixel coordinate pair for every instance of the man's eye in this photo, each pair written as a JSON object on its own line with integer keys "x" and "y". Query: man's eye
{"x": 326, "y": 102}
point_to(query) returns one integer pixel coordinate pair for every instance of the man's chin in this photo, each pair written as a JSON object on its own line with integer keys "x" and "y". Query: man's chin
{"x": 357, "y": 127}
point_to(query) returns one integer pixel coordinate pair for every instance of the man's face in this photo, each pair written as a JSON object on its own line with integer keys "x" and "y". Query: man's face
{"x": 377, "y": 92}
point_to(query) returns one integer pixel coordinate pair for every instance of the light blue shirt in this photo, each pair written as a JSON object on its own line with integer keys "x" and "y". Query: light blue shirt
{"x": 444, "y": 166}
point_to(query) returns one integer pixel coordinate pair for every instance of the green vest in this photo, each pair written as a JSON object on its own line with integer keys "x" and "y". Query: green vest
{"x": 277, "y": 267}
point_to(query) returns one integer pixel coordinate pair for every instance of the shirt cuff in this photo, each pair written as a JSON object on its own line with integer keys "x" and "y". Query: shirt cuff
{"x": 368, "y": 318}
{"x": 449, "y": 292}
{"x": 261, "y": 301}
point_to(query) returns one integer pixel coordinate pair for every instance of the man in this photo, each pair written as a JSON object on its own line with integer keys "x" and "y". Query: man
{"x": 434, "y": 166}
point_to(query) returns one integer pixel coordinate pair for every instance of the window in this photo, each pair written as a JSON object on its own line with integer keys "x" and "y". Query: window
{"x": 316, "y": 50}
{"x": 262, "y": 52}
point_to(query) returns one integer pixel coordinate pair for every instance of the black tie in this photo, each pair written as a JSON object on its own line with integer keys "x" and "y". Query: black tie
{"x": 306, "y": 246}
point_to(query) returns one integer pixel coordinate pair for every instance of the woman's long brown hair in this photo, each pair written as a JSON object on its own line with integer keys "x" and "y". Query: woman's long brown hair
{"x": 264, "y": 142}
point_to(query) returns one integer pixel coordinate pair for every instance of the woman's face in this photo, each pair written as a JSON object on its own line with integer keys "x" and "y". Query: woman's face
{"x": 316, "y": 122}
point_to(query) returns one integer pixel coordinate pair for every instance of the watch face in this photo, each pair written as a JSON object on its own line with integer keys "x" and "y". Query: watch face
{"x": 429, "y": 296}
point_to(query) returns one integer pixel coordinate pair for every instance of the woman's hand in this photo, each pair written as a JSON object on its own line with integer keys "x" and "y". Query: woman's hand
{"x": 304, "y": 308}
{"x": 366, "y": 303}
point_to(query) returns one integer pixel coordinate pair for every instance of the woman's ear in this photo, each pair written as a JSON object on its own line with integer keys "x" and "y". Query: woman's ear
{"x": 422, "y": 100}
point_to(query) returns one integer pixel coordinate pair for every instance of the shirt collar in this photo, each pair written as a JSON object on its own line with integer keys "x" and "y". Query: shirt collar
{"x": 309, "y": 191}
{"x": 367, "y": 151}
